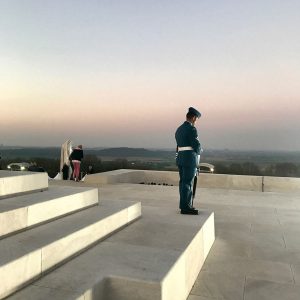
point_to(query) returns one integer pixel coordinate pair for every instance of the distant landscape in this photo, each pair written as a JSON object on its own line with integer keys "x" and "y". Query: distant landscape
{"x": 268, "y": 163}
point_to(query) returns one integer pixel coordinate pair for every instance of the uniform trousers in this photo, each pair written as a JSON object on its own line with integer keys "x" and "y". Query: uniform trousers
{"x": 186, "y": 179}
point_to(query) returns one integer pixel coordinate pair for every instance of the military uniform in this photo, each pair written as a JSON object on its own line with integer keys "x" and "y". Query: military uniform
{"x": 188, "y": 148}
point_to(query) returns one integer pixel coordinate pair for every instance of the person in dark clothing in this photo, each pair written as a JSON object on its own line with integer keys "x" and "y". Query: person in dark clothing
{"x": 76, "y": 157}
{"x": 90, "y": 170}
{"x": 65, "y": 171}
{"x": 188, "y": 153}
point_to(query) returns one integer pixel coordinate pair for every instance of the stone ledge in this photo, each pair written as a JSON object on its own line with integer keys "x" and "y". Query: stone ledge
{"x": 19, "y": 213}
{"x": 15, "y": 182}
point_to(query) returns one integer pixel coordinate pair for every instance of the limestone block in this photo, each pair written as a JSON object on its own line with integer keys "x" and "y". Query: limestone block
{"x": 17, "y": 213}
{"x": 208, "y": 234}
{"x": 59, "y": 206}
{"x": 134, "y": 211}
{"x": 14, "y": 182}
{"x": 106, "y": 177}
{"x": 194, "y": 259}
{"x": 281, "y": 184}
{"x": 173, "y": 286}
{"x": 234, "y": 182}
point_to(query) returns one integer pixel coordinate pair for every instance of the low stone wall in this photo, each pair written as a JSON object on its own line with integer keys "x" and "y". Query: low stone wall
{"x": 222, "y": 181}
{"x": 253, "y": 183}
{"x": 232, "y": 182}
{"x": 281, "y": 184}
{"x": 117, "y": 176}
{"x": 14, "y": 183}
{"x": 134, "y": 176}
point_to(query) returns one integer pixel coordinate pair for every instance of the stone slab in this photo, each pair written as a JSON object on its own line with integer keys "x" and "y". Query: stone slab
{"x": 267, "y": 290}
{"x": 218, "y": 286}
{"x": 281, "y": 184}
{"x": 51, "y": 244}
{"x": 242, "y": 266}
{"x": 21, "y": 212}
{"x": 232, "y": 182}
{"x": 15, "y": 182}
{"x": 136, "y": 264}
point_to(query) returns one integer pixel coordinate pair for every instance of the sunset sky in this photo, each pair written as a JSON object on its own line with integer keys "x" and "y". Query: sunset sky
{"x": 113, "y": 73}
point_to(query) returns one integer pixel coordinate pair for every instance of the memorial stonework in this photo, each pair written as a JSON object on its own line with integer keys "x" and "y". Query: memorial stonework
{"x": 41, "y": 230}
{"x": 63, "y": 243}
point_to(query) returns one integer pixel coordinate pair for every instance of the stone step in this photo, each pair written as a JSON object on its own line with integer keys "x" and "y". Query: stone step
{"x": 21, "y": 212}
{"x": 153, "y": 259}
{"x": 27, "y": 255}
{"x": 15, "y": 182}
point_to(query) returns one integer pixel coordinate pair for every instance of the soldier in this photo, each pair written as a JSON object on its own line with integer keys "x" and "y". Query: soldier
{"x": 188, "y": 153}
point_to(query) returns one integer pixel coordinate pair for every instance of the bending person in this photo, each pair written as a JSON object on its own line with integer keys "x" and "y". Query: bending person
{"x": 76, "y": 157}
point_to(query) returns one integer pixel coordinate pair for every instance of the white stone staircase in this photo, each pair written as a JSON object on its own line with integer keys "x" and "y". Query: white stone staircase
{"x": 42, "y": 227}
{"x": 63, "y": 244}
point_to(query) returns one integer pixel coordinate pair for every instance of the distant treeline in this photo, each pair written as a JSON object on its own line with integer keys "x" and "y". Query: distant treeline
{"x": 54, "y": 152}
{"x": 283, "y": 164}
{"x": 278, "y": 169}
{"x": 52, "y": 166}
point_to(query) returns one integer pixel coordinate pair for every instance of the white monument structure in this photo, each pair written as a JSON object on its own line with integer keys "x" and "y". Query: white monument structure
{"x": 66, "y": 149}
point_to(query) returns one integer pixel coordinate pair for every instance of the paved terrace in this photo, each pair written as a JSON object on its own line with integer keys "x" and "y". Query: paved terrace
{"x": 256, "y": 254}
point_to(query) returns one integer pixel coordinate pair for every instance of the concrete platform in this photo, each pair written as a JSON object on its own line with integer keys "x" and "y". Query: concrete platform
{"x": 27, "y": 255}
{"x": 21, "y": 212}
{"x": 15, "y": 182}
{"x": 256, "y": 253}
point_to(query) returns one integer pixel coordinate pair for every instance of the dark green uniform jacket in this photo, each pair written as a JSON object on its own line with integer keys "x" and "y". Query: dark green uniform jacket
{"x": 186, "y": 135}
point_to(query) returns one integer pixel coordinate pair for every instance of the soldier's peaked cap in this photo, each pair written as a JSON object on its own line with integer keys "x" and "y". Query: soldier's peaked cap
{"x": 195, "y": 112}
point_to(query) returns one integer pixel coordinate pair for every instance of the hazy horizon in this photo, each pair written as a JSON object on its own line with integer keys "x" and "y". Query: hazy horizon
{"x": 106, "y": 73}
{"x": 146, "y": 148}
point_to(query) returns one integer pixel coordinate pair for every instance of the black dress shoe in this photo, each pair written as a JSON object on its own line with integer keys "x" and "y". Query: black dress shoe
{"x": 189, "y": 212}
{"x": 189, "y": 208}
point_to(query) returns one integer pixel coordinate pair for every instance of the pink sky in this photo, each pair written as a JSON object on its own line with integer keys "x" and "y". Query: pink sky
{"x": 128, "y": 80}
